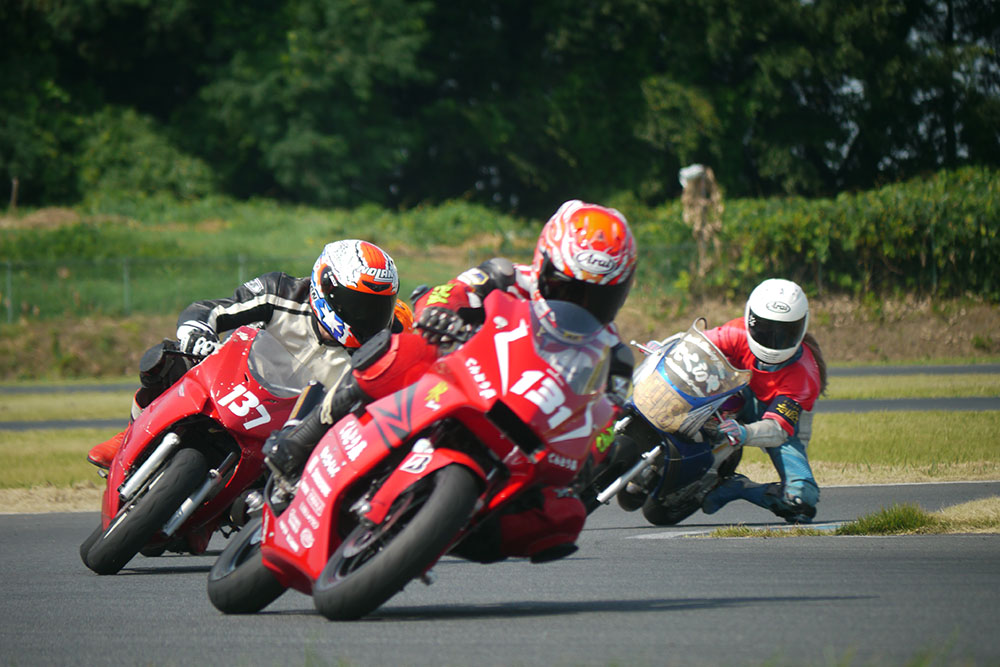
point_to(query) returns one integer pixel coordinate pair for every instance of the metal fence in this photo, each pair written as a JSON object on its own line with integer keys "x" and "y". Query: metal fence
{"x": 127, "y": 285}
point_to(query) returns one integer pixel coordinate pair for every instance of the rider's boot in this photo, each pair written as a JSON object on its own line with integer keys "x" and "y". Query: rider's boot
{"x": 796, "y": 498}
{"x": 103, "y": 454}
{"x": 736, "y": 487}
{"x": 791, "y": 508}
{"x": 288, "y": 448}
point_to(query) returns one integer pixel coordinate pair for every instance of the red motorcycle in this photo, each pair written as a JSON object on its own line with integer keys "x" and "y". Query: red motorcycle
{"x": 187, "y": 462}
{"x": 508, "y": 416}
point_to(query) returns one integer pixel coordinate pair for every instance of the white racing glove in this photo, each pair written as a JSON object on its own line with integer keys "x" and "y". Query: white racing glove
{"x": 194, "y": 337}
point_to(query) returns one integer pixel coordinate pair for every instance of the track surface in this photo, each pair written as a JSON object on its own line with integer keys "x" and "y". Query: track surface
{"x": 634, "y": 594}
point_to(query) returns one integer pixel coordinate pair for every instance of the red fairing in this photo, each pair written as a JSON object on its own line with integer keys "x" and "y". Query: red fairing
{"x": 221, "y": 390}
{"x": 558, "y": 520}
{"x": 408, "y": 358}
{"x": 518, "y": 406}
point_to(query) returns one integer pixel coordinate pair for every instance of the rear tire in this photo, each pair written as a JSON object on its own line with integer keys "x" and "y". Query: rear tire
{"x": 239, "y": 582}
{"x": 374, "y": 563}
{"x": 143, "y": 517}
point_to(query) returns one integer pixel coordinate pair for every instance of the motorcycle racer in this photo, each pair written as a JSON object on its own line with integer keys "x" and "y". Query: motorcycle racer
{"x": 349, "y": 296}
{"x": 586, "y": 255}
{"x": 788, "y": 374}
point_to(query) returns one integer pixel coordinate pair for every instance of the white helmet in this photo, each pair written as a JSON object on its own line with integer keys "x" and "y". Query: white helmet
{"x": 776, "y": 317}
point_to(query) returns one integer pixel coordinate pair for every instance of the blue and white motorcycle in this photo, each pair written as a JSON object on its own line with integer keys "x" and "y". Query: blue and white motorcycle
{"x": 668, "y": 453}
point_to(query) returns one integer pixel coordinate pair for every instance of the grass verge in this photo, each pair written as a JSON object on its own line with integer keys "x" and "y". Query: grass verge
{"x": 978, "y": 516}
{"x": 914, "y": 386}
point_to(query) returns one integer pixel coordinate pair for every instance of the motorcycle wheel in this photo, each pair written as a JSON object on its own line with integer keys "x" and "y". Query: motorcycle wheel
{"x": 89, "y": 542}
{"x": 239, "y": 582}
{"x": 658, "y": 515}
{"x": 143, "y": 516}
{"x": 374, "y": 563}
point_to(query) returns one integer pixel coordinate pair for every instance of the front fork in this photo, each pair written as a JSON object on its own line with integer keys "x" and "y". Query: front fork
{"x": 139, "y": 480}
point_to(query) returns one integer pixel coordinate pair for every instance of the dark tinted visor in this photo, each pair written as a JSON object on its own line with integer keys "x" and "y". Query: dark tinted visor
{"x": 602, "y": 301}
{"x": 773, "y": 334}
{"x": 365, "y": 313}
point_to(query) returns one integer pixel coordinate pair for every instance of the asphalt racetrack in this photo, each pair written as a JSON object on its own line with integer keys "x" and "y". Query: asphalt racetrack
{"x": 634, "y": 594}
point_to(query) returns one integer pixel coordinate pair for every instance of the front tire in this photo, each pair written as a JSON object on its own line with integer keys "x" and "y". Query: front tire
{"x": 659, "y": 515}
{"x": 144, "y": 516}
{"x": 89, "y": 542}
{"x": 239, "y": 582}
{"x": 374, "y": 563}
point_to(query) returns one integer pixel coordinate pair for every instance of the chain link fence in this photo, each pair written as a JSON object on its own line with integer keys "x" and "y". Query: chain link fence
{"x": 132, "y": 285}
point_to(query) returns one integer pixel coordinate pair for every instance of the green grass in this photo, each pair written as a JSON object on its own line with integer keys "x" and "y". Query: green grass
{"x": 914, "y": 386}
{"x": 48, "y": 458}
{"x": 895, "y": 520}
{"x": 66, "y": 406}
{"x": 980, "y": 516}
{"x": 902, "y": 438}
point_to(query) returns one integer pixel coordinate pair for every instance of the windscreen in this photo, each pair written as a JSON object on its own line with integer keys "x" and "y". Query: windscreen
{"x": 569, "y": 339}
{"x": 275, "y": 368}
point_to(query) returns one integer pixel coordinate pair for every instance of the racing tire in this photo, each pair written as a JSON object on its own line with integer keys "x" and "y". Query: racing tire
{"x": 239, "y": 582}
{"x": 89, "y": 542}
{"x": 143, "y": 516}
{"x": 374, "y": 562}
{"x": 658, "y": 515}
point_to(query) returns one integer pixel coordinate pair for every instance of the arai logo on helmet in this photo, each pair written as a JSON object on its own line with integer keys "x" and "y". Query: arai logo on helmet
{"x": 595, "y": 261}
{"x": 778, "y": 307}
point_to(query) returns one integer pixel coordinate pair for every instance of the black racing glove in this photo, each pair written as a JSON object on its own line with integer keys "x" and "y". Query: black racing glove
{"x": 441, "y": 326}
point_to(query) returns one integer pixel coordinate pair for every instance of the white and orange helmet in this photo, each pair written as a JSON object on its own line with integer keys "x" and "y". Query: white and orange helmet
{"x": 353, "y": 290}
{"x": 586, "y": 255}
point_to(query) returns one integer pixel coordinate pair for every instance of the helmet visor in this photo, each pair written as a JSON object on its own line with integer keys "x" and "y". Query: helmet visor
{"x": 774, "y": 334}
{"x": 602, "y": 301}
{"x": 365, "y": 313}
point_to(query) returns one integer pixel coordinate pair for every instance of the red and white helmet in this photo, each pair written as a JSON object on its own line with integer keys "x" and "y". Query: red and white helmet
{"x": 353, "y": 290}
{"x": 585, "y": 255}
{"x": 777, "y": 316}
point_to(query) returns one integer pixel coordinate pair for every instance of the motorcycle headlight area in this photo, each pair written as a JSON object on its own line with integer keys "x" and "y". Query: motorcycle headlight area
{"x": 678, "y": 387}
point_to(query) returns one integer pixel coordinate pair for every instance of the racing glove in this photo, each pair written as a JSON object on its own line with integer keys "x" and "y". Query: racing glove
{"x": 197, "y": 338}
{"x": 439, "y": 325}
{"x": 735, "y": 431}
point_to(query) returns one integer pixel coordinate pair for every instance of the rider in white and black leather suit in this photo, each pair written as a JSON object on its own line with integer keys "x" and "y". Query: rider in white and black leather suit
{"x": 348, "y": 298}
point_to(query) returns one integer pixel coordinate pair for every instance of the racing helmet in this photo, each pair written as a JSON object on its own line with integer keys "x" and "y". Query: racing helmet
{"x": 352, "y": 291}
{"x": 776, "y": 317}
{"x": 585, "y": 255}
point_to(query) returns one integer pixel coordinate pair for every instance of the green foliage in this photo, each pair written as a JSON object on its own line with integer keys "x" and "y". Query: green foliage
{"x": 124, "y": 156}
{"x": 307, "y": 96}
{"x": 934, "y": 235}
{"x": 517, "y": 105}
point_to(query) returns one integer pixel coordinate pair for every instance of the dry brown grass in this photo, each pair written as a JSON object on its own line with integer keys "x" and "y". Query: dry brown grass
{"x": 889, "y": 331}
{"x": 81, "y": 497}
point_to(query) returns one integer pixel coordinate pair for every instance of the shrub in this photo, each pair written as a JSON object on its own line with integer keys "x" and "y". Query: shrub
{"x": 125, "y": 155}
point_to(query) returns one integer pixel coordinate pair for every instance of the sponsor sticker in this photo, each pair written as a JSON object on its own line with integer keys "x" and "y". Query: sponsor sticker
{"x": 307, "y": 538}
{"x": 440, "y": 294}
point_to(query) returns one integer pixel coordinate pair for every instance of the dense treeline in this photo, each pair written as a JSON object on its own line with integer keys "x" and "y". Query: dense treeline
{"x": 517, "y": 104}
